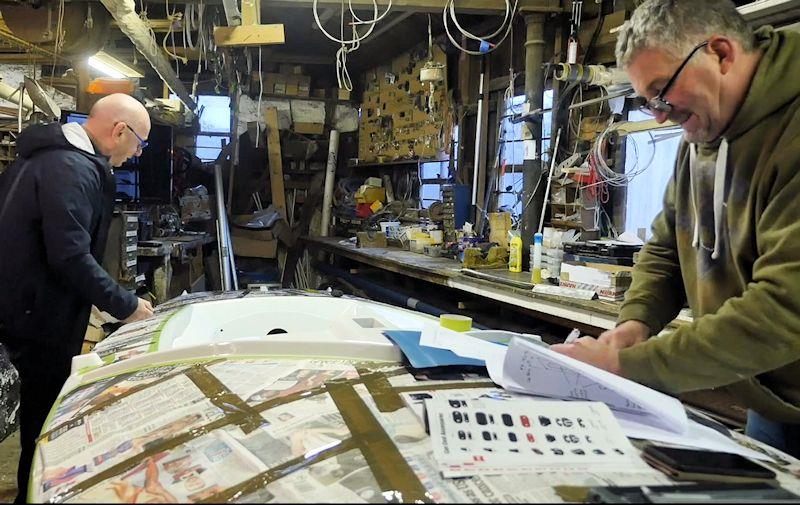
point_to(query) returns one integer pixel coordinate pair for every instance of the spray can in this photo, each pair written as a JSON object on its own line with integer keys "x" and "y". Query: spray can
{"x": 536, "y": 266}
{"x": 515, "y": 252}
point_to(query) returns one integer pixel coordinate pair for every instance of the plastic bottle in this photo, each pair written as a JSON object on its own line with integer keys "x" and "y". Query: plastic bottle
{"x": 515, "y": 252}
{"x": 536, "y": 265}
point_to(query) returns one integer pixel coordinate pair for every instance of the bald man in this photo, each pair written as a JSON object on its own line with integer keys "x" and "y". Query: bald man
{"x": 56, "y": 202}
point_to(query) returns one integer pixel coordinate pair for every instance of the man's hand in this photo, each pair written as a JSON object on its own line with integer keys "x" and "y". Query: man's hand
{"x": 625, "y": 335}
{"x": 143, "y": 311}
{"x": 593, "y": 352}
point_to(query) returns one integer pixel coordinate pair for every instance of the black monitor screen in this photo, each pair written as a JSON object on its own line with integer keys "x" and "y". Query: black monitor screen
{"x": 147, "y": 178}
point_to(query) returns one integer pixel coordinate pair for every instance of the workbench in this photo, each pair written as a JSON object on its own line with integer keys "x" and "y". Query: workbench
{"x": 180, "y": 256}
{"x": 497, "y": 284}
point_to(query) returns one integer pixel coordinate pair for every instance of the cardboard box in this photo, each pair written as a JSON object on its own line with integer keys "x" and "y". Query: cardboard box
{"x": 309, "y": 128}
{"x": 262, "y": 235}
{"x": 254, "y": 248}
{"x": 606, "y": 276}
{"x": 343, "y": 94}
{"x": 291, "y": 89}
{"x": 318, "y": 92}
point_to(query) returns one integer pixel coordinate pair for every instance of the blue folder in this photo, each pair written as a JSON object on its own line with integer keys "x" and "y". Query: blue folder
{"x": 422, "y": 356}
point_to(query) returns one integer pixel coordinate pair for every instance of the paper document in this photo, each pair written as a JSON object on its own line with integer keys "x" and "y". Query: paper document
{"x": 535, "y": 370}
{"x": 520, "y": 435}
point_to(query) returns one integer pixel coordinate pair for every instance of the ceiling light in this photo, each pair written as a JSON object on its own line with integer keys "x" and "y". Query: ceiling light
{"x": 112, "y": 67}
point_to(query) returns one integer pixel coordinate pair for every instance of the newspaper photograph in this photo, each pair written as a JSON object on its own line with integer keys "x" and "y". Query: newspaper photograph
{"x": 190, "y": 473}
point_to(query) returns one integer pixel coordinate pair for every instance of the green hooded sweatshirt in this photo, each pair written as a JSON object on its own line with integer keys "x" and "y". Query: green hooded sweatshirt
{"x": 728, "y": 242}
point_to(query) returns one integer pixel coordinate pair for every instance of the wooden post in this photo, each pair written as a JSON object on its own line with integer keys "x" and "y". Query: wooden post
{"x": 275, "y": 162}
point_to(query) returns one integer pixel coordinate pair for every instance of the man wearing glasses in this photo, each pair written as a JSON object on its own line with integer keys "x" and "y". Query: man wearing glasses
{"x": 56, "y": 202}
{"x": 728, "y": 238}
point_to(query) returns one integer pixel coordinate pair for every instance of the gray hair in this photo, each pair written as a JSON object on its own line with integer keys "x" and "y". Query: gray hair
{"x": 676, "y": 26}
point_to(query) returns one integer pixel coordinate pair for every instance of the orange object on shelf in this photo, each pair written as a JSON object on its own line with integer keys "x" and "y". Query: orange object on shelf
{"x": 107, "y": 86}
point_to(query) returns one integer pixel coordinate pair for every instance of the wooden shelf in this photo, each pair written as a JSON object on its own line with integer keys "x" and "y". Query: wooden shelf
{"x": 395, "y": 164}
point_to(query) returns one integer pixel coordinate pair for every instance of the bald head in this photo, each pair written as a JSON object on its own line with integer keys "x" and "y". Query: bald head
{"x": 117, "y": 125}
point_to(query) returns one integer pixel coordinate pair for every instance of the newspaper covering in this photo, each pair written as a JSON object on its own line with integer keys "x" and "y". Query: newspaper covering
{"x": 301, "y": 428}
{"x": 86, "y": 396}
{"x": 189, "y": 473}
{"x": 81, "y": 448}
{"x": 257, "y": 381}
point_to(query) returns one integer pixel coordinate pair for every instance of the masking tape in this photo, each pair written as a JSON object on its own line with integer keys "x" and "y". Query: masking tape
{"x": 396, "y": 479}
{"x": 455, "y": 322}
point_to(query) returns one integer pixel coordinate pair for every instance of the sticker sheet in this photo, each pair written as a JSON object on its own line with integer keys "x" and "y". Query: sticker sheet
{"x": 515, "y": 436}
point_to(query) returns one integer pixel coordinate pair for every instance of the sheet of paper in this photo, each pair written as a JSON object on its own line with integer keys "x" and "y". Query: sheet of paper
{"x": 536, "y": 370}
{"x": 489, "y": 437}
{"x": 696, "y": 436}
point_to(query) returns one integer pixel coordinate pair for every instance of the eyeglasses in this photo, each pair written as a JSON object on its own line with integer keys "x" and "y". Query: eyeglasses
{"x": 142, "y": 142}
{"x": 657, "y": 104}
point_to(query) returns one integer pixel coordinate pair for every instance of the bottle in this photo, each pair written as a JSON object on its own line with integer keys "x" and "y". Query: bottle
{"x": 536, "y": 264}
{"x": 515, "y": 252}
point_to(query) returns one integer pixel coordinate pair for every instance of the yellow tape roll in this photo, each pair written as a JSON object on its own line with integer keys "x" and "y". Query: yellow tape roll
{"x": 455, "y": 322}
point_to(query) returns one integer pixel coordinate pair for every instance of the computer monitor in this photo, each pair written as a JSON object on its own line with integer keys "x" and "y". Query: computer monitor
{"x": 147, "y": 178}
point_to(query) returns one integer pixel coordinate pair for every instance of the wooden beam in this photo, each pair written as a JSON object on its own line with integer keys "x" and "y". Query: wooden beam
{"x": 251, "y": 12}
{"x": 464, "y": 6}
{"x": 253, "y": 35}
{"x": 275, "y": 161}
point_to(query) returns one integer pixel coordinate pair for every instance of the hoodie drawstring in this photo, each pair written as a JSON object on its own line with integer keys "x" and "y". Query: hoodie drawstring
{"x": 720, "y": 173}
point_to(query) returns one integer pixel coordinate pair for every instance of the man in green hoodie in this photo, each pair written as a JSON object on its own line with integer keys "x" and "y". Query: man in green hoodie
{"x": 728, "y": 237}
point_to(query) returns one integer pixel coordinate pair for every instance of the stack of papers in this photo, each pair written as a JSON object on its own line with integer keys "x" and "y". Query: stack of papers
{"x": 533, "y": 369}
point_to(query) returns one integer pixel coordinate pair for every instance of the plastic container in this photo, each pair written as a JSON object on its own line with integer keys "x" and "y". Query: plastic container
{"x": 515, "y": 252}
{"x": 536, "y": 263}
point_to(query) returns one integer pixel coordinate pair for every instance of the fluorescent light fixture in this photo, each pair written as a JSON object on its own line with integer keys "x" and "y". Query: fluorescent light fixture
{"x": 112, "y": 67}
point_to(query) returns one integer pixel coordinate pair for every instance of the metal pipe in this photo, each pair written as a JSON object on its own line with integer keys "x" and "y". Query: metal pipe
{"x": 534, "y": 90}
{"x": 478, "y": 139}
{"x": 392, "y": 295}
{"x": 330, "y": 176}
{"x": 223, "y": 239}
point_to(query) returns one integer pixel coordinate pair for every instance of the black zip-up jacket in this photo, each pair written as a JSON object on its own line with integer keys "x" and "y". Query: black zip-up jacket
{"x": 56, "y": 202}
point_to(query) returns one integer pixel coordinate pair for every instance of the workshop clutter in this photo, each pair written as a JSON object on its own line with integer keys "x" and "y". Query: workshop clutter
{"x": 610, "y": 282}
{"x": 252, "y": 235}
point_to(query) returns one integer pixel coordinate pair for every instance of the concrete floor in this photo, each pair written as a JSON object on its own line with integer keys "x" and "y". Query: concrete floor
{"x": 9, "y": 455}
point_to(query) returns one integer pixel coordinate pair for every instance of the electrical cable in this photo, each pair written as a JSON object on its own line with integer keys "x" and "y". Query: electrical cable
{"x": 505, "y": 28}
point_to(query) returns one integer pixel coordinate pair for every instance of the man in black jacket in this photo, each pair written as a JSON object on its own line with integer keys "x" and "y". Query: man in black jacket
{"x": 56, "y": 202}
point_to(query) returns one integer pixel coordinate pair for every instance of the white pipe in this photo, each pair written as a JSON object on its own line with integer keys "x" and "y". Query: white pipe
{"x": 12, "y": 94}
{"x": 330, "y": 175}
{"x": 549, "y": 180}
{"x": 478, "y": 142}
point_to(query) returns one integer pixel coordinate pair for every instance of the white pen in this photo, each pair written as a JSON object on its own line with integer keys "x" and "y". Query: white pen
{"x": 573, "y": 336}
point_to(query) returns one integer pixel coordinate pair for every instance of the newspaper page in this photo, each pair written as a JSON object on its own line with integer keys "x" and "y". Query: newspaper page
{"x": 190, "y": 473}
{"x": 77, "y": 450}
{"x": 86, "y": 396}
{"x": 345, "y": 478}
{"x": 258, "y": 381}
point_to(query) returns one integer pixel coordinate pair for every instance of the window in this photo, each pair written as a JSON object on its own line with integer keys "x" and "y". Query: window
{"x": 434, "y": 174}
{"x": 646, "y": 191}
{"x": 215, "y": 125}
{"x": 510, "y": 190}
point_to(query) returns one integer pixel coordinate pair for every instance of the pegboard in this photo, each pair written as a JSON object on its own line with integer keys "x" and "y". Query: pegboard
{"x": 396, "y": 122}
